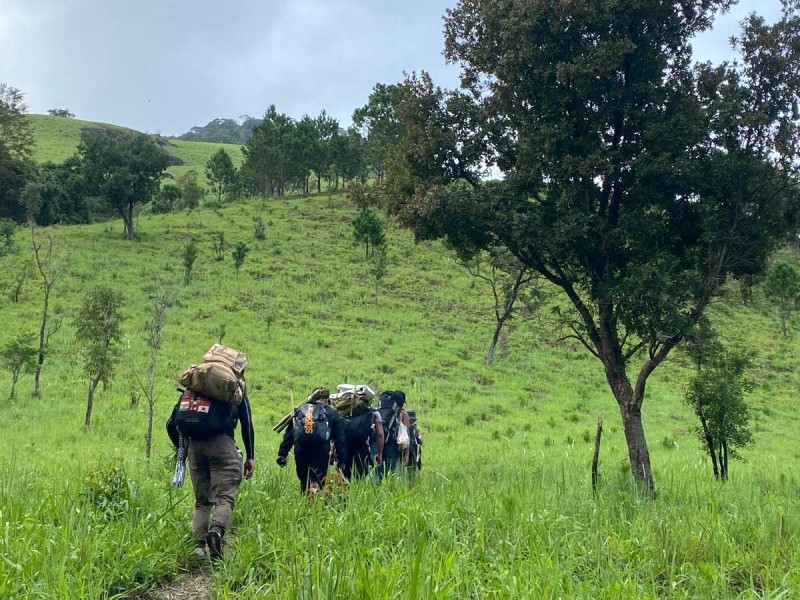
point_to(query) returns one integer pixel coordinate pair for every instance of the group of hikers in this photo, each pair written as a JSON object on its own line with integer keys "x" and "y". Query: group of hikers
{"x": 346, "y": 429}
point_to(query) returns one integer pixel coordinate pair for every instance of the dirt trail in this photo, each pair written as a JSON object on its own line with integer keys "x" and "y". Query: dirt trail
{"x": 192, "y": 586}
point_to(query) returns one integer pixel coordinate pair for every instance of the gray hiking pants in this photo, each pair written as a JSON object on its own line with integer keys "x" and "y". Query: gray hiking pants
{"x": 216, "y": 470}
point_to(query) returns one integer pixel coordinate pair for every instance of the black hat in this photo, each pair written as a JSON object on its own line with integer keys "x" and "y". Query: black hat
{"x": 320, "y": 393}
{"x": 411, "y": 415}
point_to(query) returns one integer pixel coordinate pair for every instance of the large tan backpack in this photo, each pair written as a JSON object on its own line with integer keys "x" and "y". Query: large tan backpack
{"x": 220, "y": 376}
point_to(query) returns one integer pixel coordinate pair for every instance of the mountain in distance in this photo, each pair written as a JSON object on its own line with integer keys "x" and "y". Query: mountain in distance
{"x": 226, "y": 131}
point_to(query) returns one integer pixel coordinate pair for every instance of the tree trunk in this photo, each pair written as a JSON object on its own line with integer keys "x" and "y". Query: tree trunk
{"x": 638, "y": 453}
{"x": 42, "y": 341}
{"x": 596, "y": 455}
{"x": 724, "y": 459}
{"x": 319, "y": 183}
{"x": 14, "y": 379}
{"x": 127, "y": 218}
{"x": 495, "y": 339}
{"x": 90, "y": 403}
{"x": 710, "y": 444}
{"x": 151, "y": 401}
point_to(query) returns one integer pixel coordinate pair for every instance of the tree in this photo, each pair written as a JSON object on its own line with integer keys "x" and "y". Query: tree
{"x": 49, "y": 267}
{"x": 61, "y": 112}
{"x": 7, "y": 243}
{"x": 189, "y": 256}
{"x": 161, "y": 299}
{"x": 269, "y": 157}
{"x": 634, "y": 181}
{"x": 16, "y": 135}
{"x": 782, "y": 288}
{"x": 191, "y": 192}
{"x": 378, "y": 123}
{"x": 167, "y": 199}
{"x": 239, "y": 253}
{"x": 368, "y": 231}
{"x": 716, "y": 393}
{"x": 123, "y": 168}
{"x": 327, "y": 127}
{"x": 509, "y": 281}
{"x": 221, "y": 174}
{"x": 98, "y": 329}
{"x": 16, "y": 145}
{"x": 218, "y": 244}
{"x": 18, "y": 356}
{"x": 378, "y": 266}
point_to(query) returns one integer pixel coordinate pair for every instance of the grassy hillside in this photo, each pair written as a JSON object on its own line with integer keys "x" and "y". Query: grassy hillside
{"x": 504, "y": 507}
{"x": 57, "y": 138}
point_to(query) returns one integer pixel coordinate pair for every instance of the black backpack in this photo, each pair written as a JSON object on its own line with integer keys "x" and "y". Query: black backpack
{"x": 311, "y": 424}
{"x": 389, "y": 405}
{"x": 200, "y": 418}
{"x": 358, "y": 428}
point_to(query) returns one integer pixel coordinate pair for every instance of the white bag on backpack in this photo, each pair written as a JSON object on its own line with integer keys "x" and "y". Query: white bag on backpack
{"x": 403, "y": 441}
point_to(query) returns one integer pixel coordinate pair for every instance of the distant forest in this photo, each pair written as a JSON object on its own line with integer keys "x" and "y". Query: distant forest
{"x": 226, "y": 131}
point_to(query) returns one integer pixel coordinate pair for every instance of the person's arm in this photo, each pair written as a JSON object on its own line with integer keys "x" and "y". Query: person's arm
{"x": 172, "y": 429}
{"x": 248, "y": 437}
{"x": 380, "y": 438}
{"x": 337, "y": 433}
{"x": 287, "y": 443}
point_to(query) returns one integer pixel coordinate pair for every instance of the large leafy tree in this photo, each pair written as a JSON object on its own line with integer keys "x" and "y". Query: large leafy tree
{"x": 123, "y": 168}
{"x": 635, "y": 181}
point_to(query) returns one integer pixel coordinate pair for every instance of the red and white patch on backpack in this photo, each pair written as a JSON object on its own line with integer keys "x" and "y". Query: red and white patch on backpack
{"x": 193, "y": 403}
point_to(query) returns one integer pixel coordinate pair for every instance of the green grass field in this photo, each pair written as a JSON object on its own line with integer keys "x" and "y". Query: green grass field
{"x": 504, "y": 507}
{"x": 57, "y": 138}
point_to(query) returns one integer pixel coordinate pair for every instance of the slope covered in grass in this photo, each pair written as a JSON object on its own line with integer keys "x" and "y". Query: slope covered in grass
{"x": 504, "y": 507}
{"x": 57, "y": 138}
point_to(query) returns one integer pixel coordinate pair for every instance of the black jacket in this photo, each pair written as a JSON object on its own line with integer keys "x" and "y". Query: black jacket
{"x": 244, "y": 417}
{"x": 336, "y": 424}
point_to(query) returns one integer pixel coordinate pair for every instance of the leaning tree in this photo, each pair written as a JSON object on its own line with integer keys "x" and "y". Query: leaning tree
{"x": 636, "y": 181}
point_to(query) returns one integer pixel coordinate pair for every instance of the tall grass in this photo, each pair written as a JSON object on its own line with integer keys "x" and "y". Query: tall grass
{"x": 504, "y": 508}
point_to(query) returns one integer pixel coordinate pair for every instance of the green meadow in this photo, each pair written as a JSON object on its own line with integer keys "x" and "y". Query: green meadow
{"x": 504, "y": 506}
{"x": 57, "y": 139}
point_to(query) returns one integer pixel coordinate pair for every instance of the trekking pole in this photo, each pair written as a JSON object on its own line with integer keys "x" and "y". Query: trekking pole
{"x": 180, "y": 464}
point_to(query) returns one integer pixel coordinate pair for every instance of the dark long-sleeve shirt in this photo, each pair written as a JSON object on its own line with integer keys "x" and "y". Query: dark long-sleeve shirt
{"x": 336, "y": 424}
{"x": 244, "y": 417}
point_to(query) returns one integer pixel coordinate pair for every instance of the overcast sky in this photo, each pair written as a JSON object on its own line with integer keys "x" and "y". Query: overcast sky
{"x": 166, "y": 65}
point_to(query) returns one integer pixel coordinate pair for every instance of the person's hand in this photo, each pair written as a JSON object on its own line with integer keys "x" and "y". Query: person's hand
{"x": 281, "y": 460}
{"x": 249, "y": 468}
{"x": 378, "y": 460}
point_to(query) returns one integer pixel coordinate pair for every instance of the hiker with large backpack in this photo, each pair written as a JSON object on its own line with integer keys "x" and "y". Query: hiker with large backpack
{"x": 206, "y": 414}
{"x": 314, "y": 426}
{"x": 395, "y": 427}
{"x": 362, "y": 422}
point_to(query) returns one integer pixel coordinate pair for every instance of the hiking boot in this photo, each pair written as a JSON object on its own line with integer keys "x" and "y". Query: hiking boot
{"x": 214, "y": 541}
{"x": 200, "y": 551}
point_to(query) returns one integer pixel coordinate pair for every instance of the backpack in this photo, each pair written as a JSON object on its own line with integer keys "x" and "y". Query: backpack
{"x": 199, "y": 417}
{"x": 389, "y": 405}
{"x": 358, "y": 428}
{"x": 350, "y": 404}
{"x": 220, "y": 376}
{"x": 311, "y": 425}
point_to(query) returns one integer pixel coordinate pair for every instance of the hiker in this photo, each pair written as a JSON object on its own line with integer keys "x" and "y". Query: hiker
{"x": 362, "y": 430}
{"x": 395, "y": 427}
{"x": 414, "y": 462}
{"x": 315, "y": 425}
{"x": 215, "y": 467}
